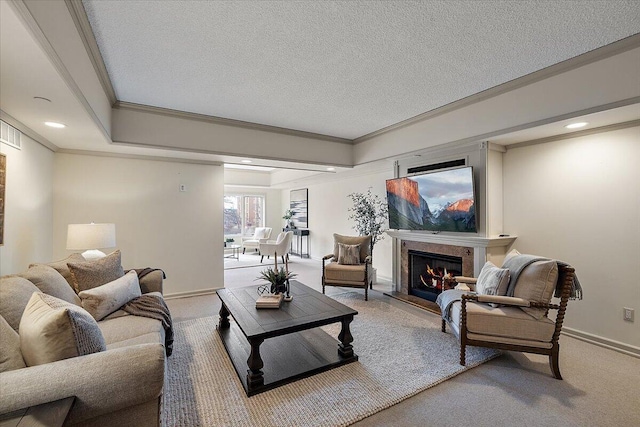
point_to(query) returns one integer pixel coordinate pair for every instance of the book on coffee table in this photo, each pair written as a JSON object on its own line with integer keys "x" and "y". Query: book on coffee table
{"x": 269, "y": 301}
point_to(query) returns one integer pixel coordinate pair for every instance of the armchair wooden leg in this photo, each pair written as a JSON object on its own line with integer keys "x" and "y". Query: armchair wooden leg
{"x": 444, "y": 326}
{"x": 261, "y": 258}
{"x": 323, "y": 288}
{"x": 463, "y": 354}
{"x": 366, "y": 293}
{"x": 283, "y": 260}
{"x": 554, "y": 361}
{"x": 243, "y": 249}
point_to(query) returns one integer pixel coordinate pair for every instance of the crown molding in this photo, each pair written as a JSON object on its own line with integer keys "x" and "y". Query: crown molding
{"x": 227, "y": 122}
{"x": 577, "y": 134}
{"x": 615, "y": 48}
{"x": 80, "y": 19}
{"x": 26, "y": 130}
{"x": 138, "y": 157}
{"x": 26, "y": 16}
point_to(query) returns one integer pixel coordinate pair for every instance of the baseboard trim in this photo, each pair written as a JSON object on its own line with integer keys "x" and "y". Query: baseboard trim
{"x": 618, "y": 346}
{"x": 188, "y": 294}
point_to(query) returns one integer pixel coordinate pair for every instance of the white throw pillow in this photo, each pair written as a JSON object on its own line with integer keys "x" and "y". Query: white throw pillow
{"x": 492, "y": 280}
{"x": 103, "y": 300}
{"x": 52, "y": 329}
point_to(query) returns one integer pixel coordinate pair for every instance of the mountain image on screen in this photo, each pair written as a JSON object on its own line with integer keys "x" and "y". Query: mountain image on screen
{"x": 439, "y": 201}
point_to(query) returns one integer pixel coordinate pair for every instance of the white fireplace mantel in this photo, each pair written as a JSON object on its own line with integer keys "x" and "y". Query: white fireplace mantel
{"x": 455, "y": 240}
{"x": 485, "y": 248}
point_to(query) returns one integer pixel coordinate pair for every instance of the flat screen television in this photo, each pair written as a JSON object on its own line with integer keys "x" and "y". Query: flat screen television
{"x": 436, "y": 201}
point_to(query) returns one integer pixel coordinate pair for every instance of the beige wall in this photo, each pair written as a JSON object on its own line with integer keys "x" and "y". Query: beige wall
{"x": 156, "y": 224}
{"x": 328, "y": 213}
{"x": 578, "y": 200}
{"x": 28, "y": 206}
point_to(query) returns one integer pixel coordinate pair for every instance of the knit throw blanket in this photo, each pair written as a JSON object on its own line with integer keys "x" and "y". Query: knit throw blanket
{"x": 446, "y": 299}
{"x": 154, "y": 307}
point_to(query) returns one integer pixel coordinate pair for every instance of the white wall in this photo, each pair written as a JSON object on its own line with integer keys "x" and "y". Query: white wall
{"x": 578, "y": 200}
{"x": 156, "y": 224}
{"x": 28, "y": 224}
{"x": 328, "y": 214}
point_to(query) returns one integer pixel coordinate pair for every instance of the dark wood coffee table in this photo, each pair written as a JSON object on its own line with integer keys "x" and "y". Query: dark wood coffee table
{"x": 287, "y": 341}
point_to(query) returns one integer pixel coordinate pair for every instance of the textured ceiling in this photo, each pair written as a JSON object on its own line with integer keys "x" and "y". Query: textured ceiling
{"x": 344, "y": 69}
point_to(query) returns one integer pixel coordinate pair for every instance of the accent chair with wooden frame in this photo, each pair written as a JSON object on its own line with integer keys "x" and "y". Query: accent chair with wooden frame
{"x": 506, "y": 326}
{"x": 348, "y": 275}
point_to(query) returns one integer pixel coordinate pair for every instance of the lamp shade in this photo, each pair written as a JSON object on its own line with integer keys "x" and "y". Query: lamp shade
{"x": 91, "y": 236}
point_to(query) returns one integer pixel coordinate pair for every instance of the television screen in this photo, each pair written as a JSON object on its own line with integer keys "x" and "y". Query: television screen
{"x": 436, "y": 201}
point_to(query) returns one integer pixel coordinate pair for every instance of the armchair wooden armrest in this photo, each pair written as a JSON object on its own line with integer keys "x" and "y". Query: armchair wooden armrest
{"x": 497, "y": 299}
{"x": 326, "y": 257}
{"x": 467, "y": 280}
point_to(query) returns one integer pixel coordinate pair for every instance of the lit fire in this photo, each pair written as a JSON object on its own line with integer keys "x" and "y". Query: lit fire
{"x": 436, "y": 280}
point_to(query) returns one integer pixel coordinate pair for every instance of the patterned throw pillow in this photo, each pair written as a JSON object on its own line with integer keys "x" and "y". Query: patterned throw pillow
{"x": 492, "y": 280}
{"x": 348, "y": 254}
{"x": 104, "y": 300}
{"x": 90, "y": 274}
{"x": 62, "y": 268}
{"x": 52, "y": 329}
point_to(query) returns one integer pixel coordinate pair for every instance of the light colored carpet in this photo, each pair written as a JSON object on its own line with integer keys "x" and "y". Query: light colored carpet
{"x": 249, "y": 259}
{"x": 400, "y": 354}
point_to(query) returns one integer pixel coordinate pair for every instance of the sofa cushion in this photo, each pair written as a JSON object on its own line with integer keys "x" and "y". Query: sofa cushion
{"x": 348, "y": 254}
{"x": 51, "y": 282}
{"x": 62, "y": 268}
{"x": 127, "y": 327}
{"x": 15, "y": 292}
{"x": 363, "y": 241}
{"x": 10, "y": 355}
{"x": 536, "y": 283}
{"x": 492, "y": 280}
{"x": 105, "y": 299}
{"x": 508, "y": 322}
{"x": 52, "y": 329}
{"x": 90, "y": 274}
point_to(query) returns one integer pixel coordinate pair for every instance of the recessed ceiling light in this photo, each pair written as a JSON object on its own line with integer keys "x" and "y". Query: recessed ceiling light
{"x": 576, "y": 125}
{"x": 55, "y": 125}
{"x": 246, "y": 161}
{"x": 331, "y": 169}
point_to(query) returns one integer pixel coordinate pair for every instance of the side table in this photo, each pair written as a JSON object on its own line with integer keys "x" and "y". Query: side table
{"x": 52, "y": 414}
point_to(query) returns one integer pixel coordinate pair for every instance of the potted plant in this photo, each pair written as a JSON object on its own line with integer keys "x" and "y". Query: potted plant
{"x": 228, "y": 240}
{"x": 278, "y": 279}
{"x": 369, "y": 213}
{"x": 288, "y": 214}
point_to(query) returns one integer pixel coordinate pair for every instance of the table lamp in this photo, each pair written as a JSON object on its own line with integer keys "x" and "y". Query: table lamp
{"x": 91, "y": 237}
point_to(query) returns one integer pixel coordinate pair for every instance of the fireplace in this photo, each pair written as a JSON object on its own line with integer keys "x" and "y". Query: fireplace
{"x": 431, "y": 273}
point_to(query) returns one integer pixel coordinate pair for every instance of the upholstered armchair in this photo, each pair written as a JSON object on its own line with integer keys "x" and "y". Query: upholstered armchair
{"x": 350, "y": 263}
{"x": 512, "y": 313}
{"x": 260, "y": 235}
{"x": 279, "y": 247}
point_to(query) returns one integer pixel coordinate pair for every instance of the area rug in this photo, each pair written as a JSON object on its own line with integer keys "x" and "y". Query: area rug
{"x": 401, "y": 354}
{"x": 244, "y": 261}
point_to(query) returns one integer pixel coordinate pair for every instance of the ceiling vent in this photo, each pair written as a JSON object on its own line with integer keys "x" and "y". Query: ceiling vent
{"x": 10, "y": 135}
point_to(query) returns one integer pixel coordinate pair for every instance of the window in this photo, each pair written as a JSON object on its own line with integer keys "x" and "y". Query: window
{"x": 242, "y": 214}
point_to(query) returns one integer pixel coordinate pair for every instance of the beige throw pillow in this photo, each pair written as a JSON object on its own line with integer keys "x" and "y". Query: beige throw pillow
{"x": 52, "y": 329}
{"x": 348, "y": 254}
{"x": 104, "y": 300}
{"x": 536, "y": 283}
{"x": 492, "y": 280}
{"x": 62, "y": 268}
{"x": 90, "y": 274}
{"x": 51, "y": 282}
{"x": 10, "y": 355}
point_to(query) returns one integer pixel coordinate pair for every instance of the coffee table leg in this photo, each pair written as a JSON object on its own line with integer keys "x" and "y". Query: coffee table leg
{"x": 224, "y": 317}
{"x": 255, "y": 376}
{"x": 345, "y": 349}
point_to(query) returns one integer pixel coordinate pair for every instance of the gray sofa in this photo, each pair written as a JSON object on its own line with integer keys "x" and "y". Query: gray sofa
{"x": 121, "y": 386}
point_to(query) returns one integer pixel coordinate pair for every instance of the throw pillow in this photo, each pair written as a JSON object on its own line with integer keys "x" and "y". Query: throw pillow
{"x": 90, "y": 274}
{"x": 348, "y": 254}
{"x": 15, "y": 292}
{"x": 51, "y": 282}
{"x": 62, "y": 268}
{"x": 492, "y": 280}
{"x": 511, "y": 254}
{"x": 10, "y": 356}
{"x": 104, "y": 300}
{"x": 363, "y": 241}
{"x": 52, "y": 329}
{"x": 536, "y": 283}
